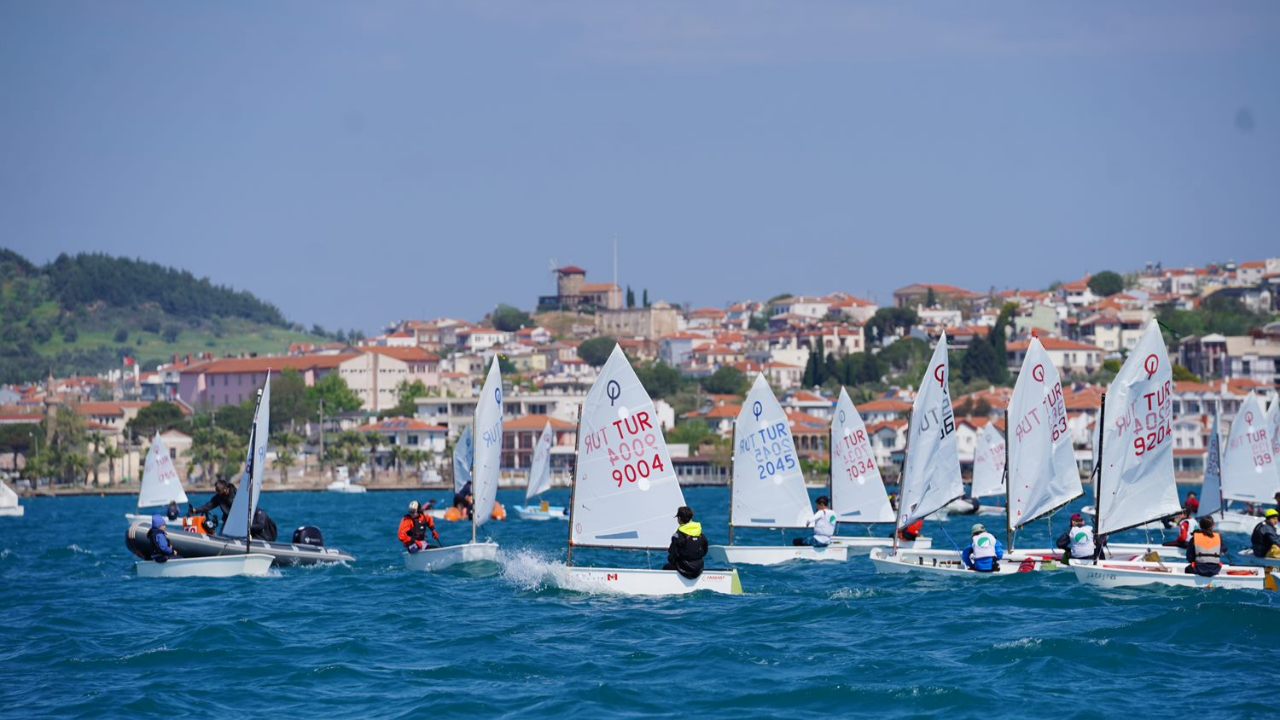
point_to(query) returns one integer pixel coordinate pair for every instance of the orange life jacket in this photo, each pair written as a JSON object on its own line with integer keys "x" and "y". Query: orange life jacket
{"x": 1206, "y": 549}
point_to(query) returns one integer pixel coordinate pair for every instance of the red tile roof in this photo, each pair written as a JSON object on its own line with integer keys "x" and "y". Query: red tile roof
{"x": 536, "y": 422}
{"x": 399, "y": 424}
{"x": 262, "y": 364}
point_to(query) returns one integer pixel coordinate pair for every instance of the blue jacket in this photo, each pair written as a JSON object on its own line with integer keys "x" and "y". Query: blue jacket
{"x": 982, "y": 564}
{"x": 161, "y": 549}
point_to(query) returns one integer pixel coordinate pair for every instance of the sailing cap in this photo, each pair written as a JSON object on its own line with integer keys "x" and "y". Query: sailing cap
{"x": 413, "y": 506}
{"x": 1271, "y": 513}
{"x": 978, "y": 528}
{"x": 1077, "y": 517}
{"x": 823, "y": 499}
{"x": 157, "y": 520}
{"x": 684, "y": 514}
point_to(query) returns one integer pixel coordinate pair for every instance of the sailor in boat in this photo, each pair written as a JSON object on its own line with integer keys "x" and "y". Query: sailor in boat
{"x": 414, "y": 527}
{"x": 1265, "y": 539}
{"x": 1186, "y": 527}
{"x": 984, "y": 552}
{"x": 1205, "y": 551}
{"x": 688, "y": 546}
{"x": 1078, "y": 544}
{"x": 161, "y": 550}
{"x": 263, "y": 527}
{"x": 823, "y": 523}
{"x": 224, "y": 494}
{"x": 462, "y": 502}
{"x": 1192, "y": 504}
{"x": 910, "y": 532}
{"x": 172, "y": 512}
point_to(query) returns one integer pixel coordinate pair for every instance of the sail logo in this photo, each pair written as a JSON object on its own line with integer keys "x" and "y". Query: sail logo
{"x": 1037, "y": 372}
{"x": 613, "y": 390}
{"x": 1248, "y": 418}
{"x": 1151, "y": 364}
{"x": 940, "y": 374}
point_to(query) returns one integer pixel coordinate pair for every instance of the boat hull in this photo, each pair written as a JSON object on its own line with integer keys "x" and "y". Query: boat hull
{"x": 1115, "y": 574}
{"x": 628, "y": 581}
{"x": 535, "y": 512}
{"x": 1248, "y": 558}
{"x": 943, "y": 562}
{"x": 251, "y": 564}
{"x": 863, "y": 545}
{"x": 774, "y": 554}
{"x": 13, "y": 511}
{"x": 194, "y": 545}
{"x": 436, "y": 559}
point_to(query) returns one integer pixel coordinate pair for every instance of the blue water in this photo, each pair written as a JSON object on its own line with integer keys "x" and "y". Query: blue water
{"x": 82, "y": 636}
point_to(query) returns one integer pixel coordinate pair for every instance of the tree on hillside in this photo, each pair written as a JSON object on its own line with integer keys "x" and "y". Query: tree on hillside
{"x": 510, "y": 319}
{"x": 159, "y": 416}
{"x": 289, "y": 401}
{"x": 332, "y": 390}
{"x": 887, "y": 321}
{"x": 1181, "y": 374}
{"x": 1106, "y": 283}
{"x": 660, "y": 379}
{"x": 406, "y": 393}
{"x": 998, "y": 335}
{"x": 726, "y": 381}
{"x": 595, "y": 352}
{"x": 905, "y": 355}
{"x": 931, "y": 299}
{"x": 646, "y": 297}
{"x": 631, "y": 297}
{"x": 979, "y": 361}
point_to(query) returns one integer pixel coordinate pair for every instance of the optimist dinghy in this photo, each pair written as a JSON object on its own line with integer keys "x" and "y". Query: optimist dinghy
{"x": 484, "y": 485}
{"x": 625, "y": 493}
{"x": 253, "y": 564}
{"x": 160, "y": 485}
{"x": 857, "y": 489}
{"x": 540, "y": 482}
{"x": 1114, "y": 573}
{"x": 9, "y": 505}
{"x": 767, "y": 488}
{"x": 988, "y": 477}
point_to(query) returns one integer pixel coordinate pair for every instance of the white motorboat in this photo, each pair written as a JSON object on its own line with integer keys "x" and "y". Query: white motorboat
{"x": 540, "y": 513}
{"x": 767, "y": 487}
{"x": 484, "y": 484}
{"x": 252, "y": 564}
{"x": 625, "y": 492}
{"x": 1114, "y": 574}
{"x": 9, "y": 505}
{"x": 346, "y": 486}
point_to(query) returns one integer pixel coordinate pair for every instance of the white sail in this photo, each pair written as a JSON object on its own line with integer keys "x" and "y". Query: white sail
{"x": 246, "y": 502}
{"x": 625, "y": 492}
{"x": 1136, "y": 476}
{"x": 540, "y": 471}
{"x": 488, "y": 455}
{"x": 857, "y": 490}
{"x": 1042, "y": 466}
{"x": 8, "y": 498}
{"x": 1211, "y": 491}
{"x": 988, "y": 463}
{"x": 931, "y": 478}
{"x": 768, "y": 484}
{"x": 160, "y": 482}
{"x": 1273, "y": 432}
{"x": 1248, "y": 467}
{"x": 463, "y": 456}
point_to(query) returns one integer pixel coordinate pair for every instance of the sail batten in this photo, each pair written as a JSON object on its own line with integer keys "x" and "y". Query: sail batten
{"x": 857, "y": 489}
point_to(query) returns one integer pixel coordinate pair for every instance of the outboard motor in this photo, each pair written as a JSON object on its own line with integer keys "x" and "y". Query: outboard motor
{"x": 308, "y": 535}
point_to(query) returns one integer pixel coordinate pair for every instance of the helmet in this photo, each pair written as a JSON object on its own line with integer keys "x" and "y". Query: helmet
{"x": 413, "y": 506}
{"x": 1271, "y": 513}
{"x": 157, "y": 520}
{"x": 1077, "y": 517}
{"x": 978, "y": 528}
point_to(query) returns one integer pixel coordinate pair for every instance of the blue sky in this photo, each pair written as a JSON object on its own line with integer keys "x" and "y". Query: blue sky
{"x": 358, "y": 162}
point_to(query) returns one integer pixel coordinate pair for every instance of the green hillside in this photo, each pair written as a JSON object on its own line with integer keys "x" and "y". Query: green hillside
{"x": 83, "y": 314}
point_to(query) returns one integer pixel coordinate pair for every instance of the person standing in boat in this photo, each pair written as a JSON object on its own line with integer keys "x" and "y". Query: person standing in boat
{"x": 1265, "y": 540}
{"x": 1205, "y": 551}
{"x": 414, "y": 527}
{"x": 224, "y": 495}
{"x": 688, "y": 546}
{"x": 1078, "y": 544}
{"x": 161, "y": 549}
{"x": 823, "y": 523}
{"x": 984, "y": 552}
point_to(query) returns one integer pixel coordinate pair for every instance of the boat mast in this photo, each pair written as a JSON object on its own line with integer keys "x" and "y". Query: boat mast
{"x": 733, "y": 446}
{"x": 473, "y": 468}
{"x": 1008, "y": 507}
{"x": 249, "y": 469}
{"x": 573, "y": 485}
{"x": 902, "y": 481}
{"x": 1097, "y": 502}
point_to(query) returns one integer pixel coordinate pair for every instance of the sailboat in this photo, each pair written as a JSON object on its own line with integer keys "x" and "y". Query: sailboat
{"x": 1135, "y": 482}
{"x": 857, "y": 490}
{"x": 625, "y": 492}
{"x": 540, "y": 481}
{"x": 1250, "y": 468}
{"x": 160, "y": 486}
{"x": 988, "y": 475}
{"x": 484, "y": 484}
{"x": 1040, "y": 473}
{"x": 9, "y": 505}
{"x": 767, "y": 487}
{"x": 463, "y": 457}
{"x": 234, "y": 537}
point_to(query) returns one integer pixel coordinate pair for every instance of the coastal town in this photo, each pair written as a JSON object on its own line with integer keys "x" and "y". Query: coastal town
{"x": 388, "y": 410}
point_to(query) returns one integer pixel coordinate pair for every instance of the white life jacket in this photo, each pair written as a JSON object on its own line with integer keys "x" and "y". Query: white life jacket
{"x": 824, "y": 525}
{"x": 984, "y": 546}
{"x": 1082, "y": 546}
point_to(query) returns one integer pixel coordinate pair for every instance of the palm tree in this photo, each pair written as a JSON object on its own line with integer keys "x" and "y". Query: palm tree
{"x": 95, "y": 442}
{"x": 374, "y": 441}
{"x": 400, "y": 454}
{"x": 111, "y": 453}
{"x": 287, "y": 457}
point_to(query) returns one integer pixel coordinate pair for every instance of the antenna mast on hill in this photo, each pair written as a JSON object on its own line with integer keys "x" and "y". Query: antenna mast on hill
{"x": 616, "y": 287}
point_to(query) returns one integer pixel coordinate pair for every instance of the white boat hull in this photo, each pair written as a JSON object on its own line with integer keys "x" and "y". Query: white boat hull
{"x": 535, "y": 512}
{"x": 13, "y": 511}
{"x": 943, "y": 562}
{"x": 435, "y": 559}
{"x": 774, "y": 554}
{"x": 349, "y": 489}
{"x": 253, "y": 564}
{"x": 863, "y": 545}
{"x": 627, "y": 581}
{"x": 1235, "y": 522}
{"x": 1115, "y": 574}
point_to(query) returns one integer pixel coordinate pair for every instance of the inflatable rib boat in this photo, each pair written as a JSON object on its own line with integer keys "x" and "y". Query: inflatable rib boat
{"x": 194, "y": 545}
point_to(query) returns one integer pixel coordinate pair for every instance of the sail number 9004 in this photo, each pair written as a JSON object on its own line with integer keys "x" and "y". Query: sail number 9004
{"x": 632, "y": 454}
